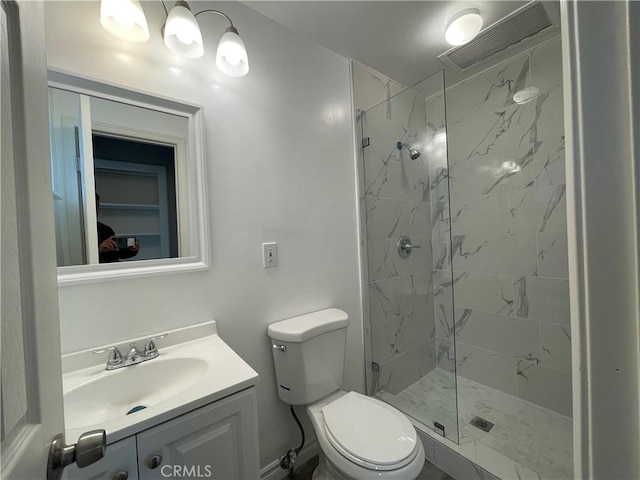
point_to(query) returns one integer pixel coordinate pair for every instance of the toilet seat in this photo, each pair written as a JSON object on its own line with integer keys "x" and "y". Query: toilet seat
{"x": 370, "y": 433}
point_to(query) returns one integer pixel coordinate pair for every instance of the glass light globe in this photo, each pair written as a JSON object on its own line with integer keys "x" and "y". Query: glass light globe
{"x": 231, "y": 56}
{"x": 463, "y": 27}
{"x": 125, "y": 19}
{"x": 182, "y": 34}
{"x": 185, "y": 36}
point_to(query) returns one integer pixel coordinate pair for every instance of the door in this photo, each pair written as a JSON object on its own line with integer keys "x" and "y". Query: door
{"x": 31, "y": 382}
{"x": 134, "y": 202}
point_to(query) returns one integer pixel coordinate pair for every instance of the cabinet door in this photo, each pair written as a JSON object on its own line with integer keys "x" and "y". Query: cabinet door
{"x": 120, "y": 457}
{"x": 218, "y": 441}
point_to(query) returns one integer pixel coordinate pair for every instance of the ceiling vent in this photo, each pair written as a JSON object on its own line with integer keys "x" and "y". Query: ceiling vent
{"x": 522, "y": 24}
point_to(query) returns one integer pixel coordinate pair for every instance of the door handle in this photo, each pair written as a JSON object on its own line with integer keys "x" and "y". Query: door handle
{"x": 90, "y": 448}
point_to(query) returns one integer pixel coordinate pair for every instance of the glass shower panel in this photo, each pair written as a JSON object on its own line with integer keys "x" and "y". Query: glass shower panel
{"x": 408, "y": 255}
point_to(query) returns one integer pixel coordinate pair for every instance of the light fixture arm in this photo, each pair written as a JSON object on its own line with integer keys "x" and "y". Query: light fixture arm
{"x": 166, "y": 12}
{"x": 218, "y": 12}
{"x": 182, "y": 35}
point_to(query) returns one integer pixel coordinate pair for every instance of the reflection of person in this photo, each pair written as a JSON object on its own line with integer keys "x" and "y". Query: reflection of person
{"x": 108, "y": 249}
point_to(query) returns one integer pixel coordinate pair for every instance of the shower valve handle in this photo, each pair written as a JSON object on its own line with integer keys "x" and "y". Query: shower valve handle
{"x": 405, "y": 247}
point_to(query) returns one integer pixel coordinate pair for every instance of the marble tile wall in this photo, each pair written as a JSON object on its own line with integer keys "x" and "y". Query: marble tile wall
{"x": 394, "y": 200}
{"x": 508, "y": 239}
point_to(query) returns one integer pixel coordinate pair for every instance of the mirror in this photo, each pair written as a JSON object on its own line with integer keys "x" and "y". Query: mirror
{"x": 122, "y": 163}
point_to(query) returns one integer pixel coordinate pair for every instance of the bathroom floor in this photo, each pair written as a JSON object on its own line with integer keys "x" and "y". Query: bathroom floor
{"x": 533, "y": 436}
{"x": 429, "y": 472}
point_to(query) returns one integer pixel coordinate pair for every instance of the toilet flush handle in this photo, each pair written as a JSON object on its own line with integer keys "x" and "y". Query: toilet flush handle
{"x": 282, "y": 348}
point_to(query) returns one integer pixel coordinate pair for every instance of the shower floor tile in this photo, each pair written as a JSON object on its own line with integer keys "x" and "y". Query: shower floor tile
{"x": 532, "y": 436}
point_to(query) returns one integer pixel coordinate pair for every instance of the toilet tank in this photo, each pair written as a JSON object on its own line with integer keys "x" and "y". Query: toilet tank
{"x": 311, "y": 365}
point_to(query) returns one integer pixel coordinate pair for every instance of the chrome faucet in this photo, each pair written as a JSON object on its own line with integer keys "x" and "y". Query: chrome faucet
{"x": 116, "y": 359}
{"x": 133, "y": 356}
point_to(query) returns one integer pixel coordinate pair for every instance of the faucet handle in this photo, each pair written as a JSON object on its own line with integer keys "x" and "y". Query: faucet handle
{"x": 115, "y": 357}
{"x": 134, "y": 353}
{"x": 150, "y": 348}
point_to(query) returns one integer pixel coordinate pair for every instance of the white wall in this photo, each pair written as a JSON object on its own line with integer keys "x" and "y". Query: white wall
{"x": 601, "y": 70}
{"x": 279, "y": 153}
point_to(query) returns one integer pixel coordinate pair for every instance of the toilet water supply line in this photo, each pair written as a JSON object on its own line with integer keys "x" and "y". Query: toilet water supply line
{"x": 288, "y": 460}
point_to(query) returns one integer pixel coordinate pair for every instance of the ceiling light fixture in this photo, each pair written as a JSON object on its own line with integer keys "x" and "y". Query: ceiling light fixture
{"x": 463, "y": 27}
{"x": 182, "y": 33}
{"x": 124, "y": 19}
{"x": 182, "y": 36}
{"x": 510, "y": 166}
{"x": 231, "y": 57}
{"x": 526, "y": 95}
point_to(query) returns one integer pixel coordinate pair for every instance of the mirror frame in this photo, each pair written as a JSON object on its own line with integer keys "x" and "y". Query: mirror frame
{"x": 194, "y": 181}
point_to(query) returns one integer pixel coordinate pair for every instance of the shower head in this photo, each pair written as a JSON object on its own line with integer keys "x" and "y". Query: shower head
{"x": 413, "y": 153}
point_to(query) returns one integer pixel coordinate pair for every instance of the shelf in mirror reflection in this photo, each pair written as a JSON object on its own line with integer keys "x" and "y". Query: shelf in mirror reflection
{"x": 147, "y": 234}
{"x": 128, "y": 206}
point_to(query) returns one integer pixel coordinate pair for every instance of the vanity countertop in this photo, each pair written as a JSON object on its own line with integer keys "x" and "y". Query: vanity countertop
{"x": 185, "y": 376}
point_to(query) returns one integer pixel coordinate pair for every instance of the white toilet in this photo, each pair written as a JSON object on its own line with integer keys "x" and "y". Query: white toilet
{"x": 360, "y": 437}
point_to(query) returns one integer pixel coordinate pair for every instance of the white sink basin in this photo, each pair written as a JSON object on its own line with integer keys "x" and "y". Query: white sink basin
{"x": 195, "y": 370}
{"x": 113, "y": 394}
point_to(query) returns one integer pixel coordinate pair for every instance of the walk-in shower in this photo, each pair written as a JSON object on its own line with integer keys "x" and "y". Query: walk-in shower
{"x": 469, "y": 334}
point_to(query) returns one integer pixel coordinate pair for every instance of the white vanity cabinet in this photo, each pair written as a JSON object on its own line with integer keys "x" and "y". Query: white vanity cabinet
{"x": 120, "y": 463}
{"x": 217, "y": 441}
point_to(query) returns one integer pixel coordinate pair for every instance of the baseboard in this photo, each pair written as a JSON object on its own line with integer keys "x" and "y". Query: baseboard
{"x": 273, "y": 471}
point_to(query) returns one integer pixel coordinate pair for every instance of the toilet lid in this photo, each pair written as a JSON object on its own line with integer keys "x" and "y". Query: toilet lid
{"x": 369, "y": 432}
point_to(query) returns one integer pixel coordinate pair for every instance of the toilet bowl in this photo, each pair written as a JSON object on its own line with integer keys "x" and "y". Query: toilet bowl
{"x": 360, "y": 437}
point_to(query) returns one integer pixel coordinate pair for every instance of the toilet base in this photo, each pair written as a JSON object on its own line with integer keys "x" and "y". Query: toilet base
{"x": 321, "y": 472}
{"x": 326, "y": 471}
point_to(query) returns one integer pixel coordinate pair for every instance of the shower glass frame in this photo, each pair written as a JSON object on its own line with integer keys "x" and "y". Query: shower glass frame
{"x": 409, "y": 322}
